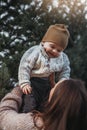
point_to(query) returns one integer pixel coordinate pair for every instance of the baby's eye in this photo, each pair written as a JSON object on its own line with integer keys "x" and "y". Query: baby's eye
{"x": 59, "y": 50}
{"x": 53, "y": 47}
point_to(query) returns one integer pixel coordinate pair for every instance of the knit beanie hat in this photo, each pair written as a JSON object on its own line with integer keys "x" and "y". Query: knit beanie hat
{"x": 57, "y": 34}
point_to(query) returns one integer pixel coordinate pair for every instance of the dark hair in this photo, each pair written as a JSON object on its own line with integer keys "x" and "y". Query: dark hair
{"x": 67, "y": 109}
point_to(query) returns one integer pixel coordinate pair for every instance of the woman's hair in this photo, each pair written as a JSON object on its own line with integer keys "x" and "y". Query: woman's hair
{"x": 67, "y": 109}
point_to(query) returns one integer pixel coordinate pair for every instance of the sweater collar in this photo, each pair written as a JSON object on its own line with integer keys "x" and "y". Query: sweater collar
{"x": 43, "y": 51}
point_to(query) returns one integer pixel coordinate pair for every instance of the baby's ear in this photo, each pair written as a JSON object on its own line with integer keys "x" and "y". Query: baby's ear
{"x": 42, "y": 43}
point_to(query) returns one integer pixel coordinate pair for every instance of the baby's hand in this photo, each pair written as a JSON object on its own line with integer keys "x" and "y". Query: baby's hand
{"x": 27, "y": 89}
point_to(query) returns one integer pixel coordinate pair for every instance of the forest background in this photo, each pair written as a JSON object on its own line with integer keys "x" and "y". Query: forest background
{"x": 23, "y": 23}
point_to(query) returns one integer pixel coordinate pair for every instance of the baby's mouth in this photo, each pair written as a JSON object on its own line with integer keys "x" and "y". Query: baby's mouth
{"x": 51, "y": 54}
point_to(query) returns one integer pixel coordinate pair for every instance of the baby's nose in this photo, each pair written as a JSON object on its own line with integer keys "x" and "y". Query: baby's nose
{"x": 56, "y": 53}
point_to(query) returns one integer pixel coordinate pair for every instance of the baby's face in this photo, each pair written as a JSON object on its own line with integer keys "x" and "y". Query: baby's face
{"x": 52, "y": 49}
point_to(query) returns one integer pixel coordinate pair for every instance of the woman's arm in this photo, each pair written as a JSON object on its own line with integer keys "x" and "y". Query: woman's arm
{"x": 10, "y": 119}
{"x": 12, "y": 100}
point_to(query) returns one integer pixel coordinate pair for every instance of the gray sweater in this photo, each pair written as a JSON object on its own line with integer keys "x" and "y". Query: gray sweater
{"x": 36, "y": 63}
{"x": 10, "y": 119}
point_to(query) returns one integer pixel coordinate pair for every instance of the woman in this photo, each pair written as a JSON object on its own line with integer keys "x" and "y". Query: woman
{"x": 66, "y": 109}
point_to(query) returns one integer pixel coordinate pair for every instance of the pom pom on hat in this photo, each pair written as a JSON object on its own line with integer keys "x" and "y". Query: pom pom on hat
{"x": 57, "y": 34}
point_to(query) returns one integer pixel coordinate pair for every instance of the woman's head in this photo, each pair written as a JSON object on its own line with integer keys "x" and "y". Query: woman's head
{"x": 67, "y": 108}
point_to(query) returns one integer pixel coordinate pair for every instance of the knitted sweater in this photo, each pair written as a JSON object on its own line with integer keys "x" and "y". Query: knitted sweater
{"x": 10, "y": 119}
{"x": 36, "y": 63}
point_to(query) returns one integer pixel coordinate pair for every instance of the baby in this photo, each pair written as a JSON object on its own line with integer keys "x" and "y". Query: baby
{"x": 39, "y": 64}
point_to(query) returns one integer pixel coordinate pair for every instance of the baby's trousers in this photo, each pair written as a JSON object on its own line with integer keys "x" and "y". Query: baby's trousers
{"x": 39, "y": 95}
